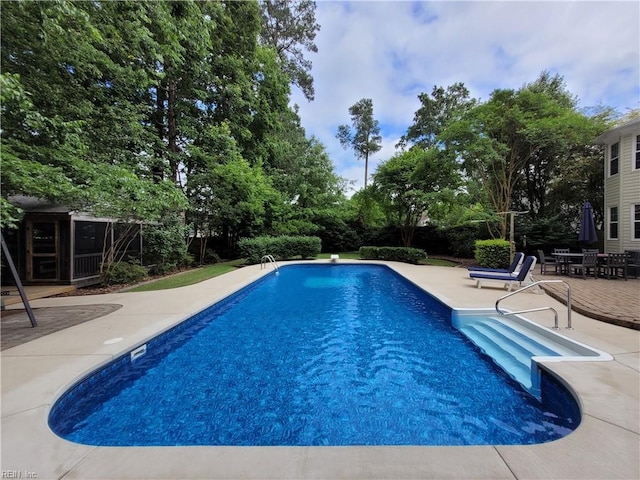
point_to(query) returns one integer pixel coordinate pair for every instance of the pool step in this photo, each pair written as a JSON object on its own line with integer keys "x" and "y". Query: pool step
{"x": 511, "y": 346}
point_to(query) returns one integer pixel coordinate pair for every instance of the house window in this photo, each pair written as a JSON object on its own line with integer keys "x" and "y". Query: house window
{"x": 637, "y": 164}
{"x": 614, "y": 159}
{"x": 636, "y": 221}
{"x": 613, "y": 223}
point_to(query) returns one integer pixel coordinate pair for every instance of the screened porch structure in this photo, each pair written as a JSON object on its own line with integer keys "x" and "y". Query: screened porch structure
{"x": 55, "y": 245}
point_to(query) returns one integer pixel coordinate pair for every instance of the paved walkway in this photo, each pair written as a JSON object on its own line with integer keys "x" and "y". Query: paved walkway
{"x": 17, "y": 329}
{"x": 615, "y": 301}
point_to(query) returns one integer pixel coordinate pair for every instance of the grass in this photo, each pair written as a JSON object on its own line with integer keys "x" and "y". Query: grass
{"x": 204, "y": 273}
{"x": 438, "y": 262}
{"x": 190, "y": 277}
{"x": 343, "y": 255}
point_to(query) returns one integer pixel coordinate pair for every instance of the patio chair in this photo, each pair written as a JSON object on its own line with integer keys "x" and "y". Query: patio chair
{"x": 518, "y": 258}
{"x": 546, "y": 262}
{"x": 588, "y": 266}
{"x": 522, "y": 278}
{"x": 633, "y": 262}
{"x": 562, "y": 263}
{"x": 614, "y": 263}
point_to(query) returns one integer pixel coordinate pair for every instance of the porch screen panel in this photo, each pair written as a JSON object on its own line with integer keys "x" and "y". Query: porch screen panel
{"x": 88, "y": 245}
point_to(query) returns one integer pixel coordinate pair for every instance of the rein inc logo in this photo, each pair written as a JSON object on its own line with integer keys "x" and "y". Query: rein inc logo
{"x": 18, "y": 474}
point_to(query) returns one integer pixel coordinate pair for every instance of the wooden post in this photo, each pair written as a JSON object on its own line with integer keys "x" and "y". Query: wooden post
{"x": 14, "y": 272}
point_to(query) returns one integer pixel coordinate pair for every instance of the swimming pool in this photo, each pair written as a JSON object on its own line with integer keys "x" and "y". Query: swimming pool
{"x": 316, "y": 355}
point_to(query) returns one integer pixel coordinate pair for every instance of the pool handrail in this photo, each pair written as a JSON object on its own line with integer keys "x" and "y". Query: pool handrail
{"x": 270, "y": 259}
{"x": 555, "y": 312}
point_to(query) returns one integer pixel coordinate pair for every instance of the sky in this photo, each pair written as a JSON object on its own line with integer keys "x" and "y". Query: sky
{"x": 391, "y": 51}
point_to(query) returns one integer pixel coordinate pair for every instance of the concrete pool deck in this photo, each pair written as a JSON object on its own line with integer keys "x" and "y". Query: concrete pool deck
{"x": 606, "y": 445}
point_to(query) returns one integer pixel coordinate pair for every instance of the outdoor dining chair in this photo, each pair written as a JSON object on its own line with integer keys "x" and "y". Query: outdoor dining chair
{"x": 562, "y": 262}
{"x": 633, "y": 262}
{"x": 588, "y": 265}
{"x": 547, "y": 262}
{"x": 615, "y": 263}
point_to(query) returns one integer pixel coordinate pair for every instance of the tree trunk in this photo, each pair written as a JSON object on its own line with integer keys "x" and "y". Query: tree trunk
{"x": 158, "y": 169}
{"x": 172, "y": 131}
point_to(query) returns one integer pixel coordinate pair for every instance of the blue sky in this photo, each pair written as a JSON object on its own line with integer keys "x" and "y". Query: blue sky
{"x": 391, "y": 51}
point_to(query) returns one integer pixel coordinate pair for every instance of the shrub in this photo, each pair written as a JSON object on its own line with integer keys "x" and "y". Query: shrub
{"x": 493, "y": 253}
{"x": 282, "y": 248}
{"x": 339, "y": 236}
{"x": 123, "y": 272}
{"x": 164, "y": 245}
{"x": 461, "y": 240}
{"x": 397, "y": 254}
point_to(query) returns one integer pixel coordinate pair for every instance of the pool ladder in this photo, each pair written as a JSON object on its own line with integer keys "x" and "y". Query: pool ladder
{"x": 268, "y": 259}
{"x": 555, "y": 312}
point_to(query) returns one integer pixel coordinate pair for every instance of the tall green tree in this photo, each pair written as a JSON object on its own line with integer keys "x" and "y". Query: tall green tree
{"x": 290, "y": 29}
{"x": 436, "y": 112}
{"x": 74, "y": 109}
{"x": 184, "y": 32}
{"x": 363, "y": 136}
{"x": 101, "y": 100}
{"x": 415, "y": 185}
{"x": 227, "y": 195}
{"x": 269, "y": 111}
{"x": 81, "y": 62}
{"x": 41, "y": 156}
{"x": 514, "y": 143}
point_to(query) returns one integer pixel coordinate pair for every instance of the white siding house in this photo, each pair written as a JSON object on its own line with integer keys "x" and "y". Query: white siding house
{"x": 622, "y": 186}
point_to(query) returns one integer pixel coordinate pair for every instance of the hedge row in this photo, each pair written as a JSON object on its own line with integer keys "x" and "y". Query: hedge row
{"x": 493, "y": 253}
{"x": 282, "y": 248}
{"x": 397, "y": 254}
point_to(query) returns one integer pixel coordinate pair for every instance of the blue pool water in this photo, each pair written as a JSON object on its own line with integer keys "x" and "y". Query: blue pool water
{"x": 315, "y": 355}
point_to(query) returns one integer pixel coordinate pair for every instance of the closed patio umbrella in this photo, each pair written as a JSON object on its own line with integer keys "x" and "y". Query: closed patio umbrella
{"x": 587, "y": 225}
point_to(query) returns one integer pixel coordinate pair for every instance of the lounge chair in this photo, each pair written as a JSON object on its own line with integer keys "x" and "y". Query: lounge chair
{"x": 513, "y": 268}
{"x": 522, "y": 278}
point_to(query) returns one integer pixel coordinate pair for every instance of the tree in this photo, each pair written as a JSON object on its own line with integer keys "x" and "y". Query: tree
{"x": 561, "y": 136}
{"x": 367, "y": 211}
{"x": 40, "y": 155}
{"x": 227, "y": 195}
{"x": 88, "y": 63}
{"x": 289, "y": 27}
{"x": 513, "y": 143}
{"x": 364, "y": 134}
{"x": 437, "y": 111}
{"x": 414, "y": 185}
{"x": 74, "y": 129}
{"x": 184, "y": 32}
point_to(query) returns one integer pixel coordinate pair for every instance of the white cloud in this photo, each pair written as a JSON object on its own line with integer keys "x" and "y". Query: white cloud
{"x": 390, "y": 51}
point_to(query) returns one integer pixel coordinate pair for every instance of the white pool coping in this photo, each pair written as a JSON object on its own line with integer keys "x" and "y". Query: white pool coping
{"x": 605, "y": 445}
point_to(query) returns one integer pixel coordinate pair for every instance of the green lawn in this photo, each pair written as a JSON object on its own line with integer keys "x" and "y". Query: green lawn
{"x": 343, "y": 255}
{"x": 438, "y": 262}
{"x": 200, "y": 274}
{"x": 190, "y": 277}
